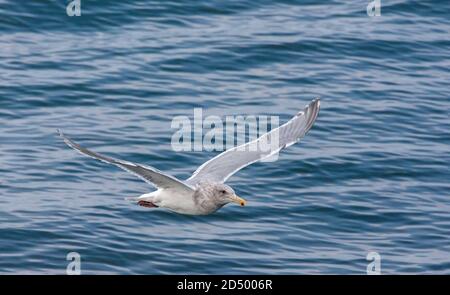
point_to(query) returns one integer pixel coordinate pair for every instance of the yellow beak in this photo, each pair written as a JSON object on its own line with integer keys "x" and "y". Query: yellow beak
{"x": 238, "y": 200}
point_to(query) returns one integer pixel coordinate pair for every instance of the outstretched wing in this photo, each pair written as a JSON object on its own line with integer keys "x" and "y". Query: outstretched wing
{"x": 221, "y": 167}
{"x": 146, "y": 173}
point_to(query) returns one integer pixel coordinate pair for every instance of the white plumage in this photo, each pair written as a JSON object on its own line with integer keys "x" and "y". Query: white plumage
{"x": 205, "y": 192}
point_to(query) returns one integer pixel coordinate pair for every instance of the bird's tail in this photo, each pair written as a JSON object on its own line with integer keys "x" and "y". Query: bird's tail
{"x": 144, "y": 197}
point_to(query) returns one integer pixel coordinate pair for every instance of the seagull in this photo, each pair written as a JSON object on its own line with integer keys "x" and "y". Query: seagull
{"x": 205, "y": 191}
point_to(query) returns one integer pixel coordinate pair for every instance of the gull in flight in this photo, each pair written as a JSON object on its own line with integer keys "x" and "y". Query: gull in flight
{"x": 205, "y": 191}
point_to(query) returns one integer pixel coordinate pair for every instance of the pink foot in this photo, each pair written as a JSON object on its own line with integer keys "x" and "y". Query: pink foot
{"x": 147, "y": 204}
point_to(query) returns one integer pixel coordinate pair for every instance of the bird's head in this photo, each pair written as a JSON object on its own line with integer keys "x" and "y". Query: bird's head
{"x": 216, "y": 193}
{"x": 224, "y": 194}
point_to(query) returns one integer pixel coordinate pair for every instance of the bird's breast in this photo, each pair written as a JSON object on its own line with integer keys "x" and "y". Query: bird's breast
{"x": 178, "y": 201}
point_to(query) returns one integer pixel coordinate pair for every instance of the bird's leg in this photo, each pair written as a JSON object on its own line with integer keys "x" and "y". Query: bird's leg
{"x": 147, "y": 204}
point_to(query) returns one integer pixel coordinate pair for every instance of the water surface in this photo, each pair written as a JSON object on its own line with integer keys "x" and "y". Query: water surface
{"x": 372, "y": 175}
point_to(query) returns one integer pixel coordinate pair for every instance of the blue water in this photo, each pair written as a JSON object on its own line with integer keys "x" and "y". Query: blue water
{"x": 372, "y": 175}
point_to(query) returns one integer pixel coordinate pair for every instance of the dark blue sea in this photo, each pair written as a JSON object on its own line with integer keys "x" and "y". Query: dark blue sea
{"x": 372, "y": 175}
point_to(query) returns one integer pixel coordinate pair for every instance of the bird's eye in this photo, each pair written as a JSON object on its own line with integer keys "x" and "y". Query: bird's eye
{"x": 223, "y": 191}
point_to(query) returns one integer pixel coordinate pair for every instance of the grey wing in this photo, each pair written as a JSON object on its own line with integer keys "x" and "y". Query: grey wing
{"x": 146, "y": 173}
{"x": 221, "y": 167}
